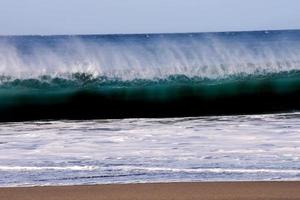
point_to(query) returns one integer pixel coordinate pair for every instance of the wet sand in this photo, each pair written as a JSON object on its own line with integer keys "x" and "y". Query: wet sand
{"x": 160, "y": 191}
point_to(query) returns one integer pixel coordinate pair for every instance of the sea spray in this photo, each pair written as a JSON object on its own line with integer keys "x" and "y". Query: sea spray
{"x": 127, "y": 57}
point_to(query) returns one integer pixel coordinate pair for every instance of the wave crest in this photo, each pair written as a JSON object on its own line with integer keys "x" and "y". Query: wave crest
{"x": 130, "y": 57}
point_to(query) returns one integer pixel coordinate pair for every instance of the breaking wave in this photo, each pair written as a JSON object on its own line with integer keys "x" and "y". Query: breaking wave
{"x": 158, "y": 75}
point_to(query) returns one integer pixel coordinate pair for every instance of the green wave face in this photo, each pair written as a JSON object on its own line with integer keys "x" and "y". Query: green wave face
{"x": 45, "y": 88}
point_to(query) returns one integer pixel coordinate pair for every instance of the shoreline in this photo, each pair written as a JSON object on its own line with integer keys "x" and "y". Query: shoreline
{"x": 256, "y": 190}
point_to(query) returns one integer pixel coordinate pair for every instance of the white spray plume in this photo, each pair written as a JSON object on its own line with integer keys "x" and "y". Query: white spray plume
{"x": 207, "y": 58}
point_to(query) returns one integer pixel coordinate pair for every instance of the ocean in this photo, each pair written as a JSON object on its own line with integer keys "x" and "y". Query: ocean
{"x": 92, "y": 109}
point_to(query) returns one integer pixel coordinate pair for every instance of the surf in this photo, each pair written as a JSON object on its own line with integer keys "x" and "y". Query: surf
{"x": 148, "y": 75}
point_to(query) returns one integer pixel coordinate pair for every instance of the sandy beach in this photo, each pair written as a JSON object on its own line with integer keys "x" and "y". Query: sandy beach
{"x": 159, "y": 191}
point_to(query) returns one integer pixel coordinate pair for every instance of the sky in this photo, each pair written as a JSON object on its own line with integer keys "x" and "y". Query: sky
{"x": 55, "y": 17}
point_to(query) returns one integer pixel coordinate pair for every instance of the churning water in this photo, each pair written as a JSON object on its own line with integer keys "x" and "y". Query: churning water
{"x": 226, "y": 148}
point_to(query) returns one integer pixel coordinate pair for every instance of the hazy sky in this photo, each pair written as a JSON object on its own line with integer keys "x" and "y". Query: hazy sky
{"x": 145, "y": 16}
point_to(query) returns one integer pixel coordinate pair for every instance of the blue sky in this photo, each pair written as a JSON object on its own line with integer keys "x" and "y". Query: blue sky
{"x": 46, "y": 17}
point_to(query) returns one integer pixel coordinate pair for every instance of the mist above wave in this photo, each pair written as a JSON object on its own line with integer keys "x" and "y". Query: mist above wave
{"x": 148, "y": 56}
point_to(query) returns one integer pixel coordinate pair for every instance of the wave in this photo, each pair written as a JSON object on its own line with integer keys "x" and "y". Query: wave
{"x": 211, "y": 170}
{"x": 160, "y": 75}
{"x": 132, "y": 169}
{"x": 47, "y": 168}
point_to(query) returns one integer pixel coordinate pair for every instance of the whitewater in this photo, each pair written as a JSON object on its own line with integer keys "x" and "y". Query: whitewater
{"x": 90, "y": 109}
{"x": 218, "y": 148}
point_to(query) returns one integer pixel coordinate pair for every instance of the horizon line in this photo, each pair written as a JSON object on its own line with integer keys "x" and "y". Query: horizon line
{"x": 146, "y": 33}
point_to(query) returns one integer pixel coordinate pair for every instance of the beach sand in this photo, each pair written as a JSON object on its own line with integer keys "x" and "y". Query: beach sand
{"x": 160, "y": 191}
